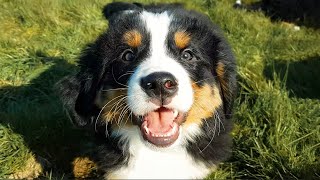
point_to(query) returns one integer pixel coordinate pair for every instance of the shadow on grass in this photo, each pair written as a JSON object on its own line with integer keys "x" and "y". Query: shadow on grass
{"x": 35, "y": 112}
{"x": 305, "y": 13}
{"x": 301, "y": 78}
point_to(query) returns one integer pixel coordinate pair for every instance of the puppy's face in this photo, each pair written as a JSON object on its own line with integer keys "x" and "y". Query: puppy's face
{"x": 161, "y": 71}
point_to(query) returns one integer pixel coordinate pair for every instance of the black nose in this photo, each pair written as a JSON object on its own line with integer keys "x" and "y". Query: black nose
{"x": 160, "y": 85}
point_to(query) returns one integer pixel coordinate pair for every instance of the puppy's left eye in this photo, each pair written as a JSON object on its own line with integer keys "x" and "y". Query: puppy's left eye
{"x": 186, "y": 55}
{"x": 128, "y": 56}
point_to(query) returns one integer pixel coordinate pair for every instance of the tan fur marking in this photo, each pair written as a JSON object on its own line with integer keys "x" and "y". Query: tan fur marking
{"x": 83, "y": 167}
{"x": 220, "y": 69}
{"x": 133, "y": 38}
{"x": 220, "y": 72}
{"x": 206, "y": 100}
{"x": 182, "y": 39}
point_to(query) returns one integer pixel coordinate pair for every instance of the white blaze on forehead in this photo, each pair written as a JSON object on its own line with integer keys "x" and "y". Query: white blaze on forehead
{"x": 157, "y": 25}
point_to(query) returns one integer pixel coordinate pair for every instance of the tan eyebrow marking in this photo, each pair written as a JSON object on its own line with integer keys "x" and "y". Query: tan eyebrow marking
{"x": 182, "y": 39}
{"x": 133, "y": 38}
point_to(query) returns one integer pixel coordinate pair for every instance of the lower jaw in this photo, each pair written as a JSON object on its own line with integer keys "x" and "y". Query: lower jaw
{"x": 160, "y": 145}
{"x": 161, "y": 142}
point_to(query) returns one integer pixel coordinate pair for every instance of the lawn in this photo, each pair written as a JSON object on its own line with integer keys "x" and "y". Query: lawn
{"x": 276, "y": 115}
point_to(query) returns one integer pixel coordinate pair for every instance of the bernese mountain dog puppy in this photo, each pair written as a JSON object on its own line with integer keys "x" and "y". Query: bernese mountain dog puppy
{"x": 160, "y": 84}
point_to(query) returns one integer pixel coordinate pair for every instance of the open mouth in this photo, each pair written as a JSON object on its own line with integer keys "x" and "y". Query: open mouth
{"x": 161, "y": 127}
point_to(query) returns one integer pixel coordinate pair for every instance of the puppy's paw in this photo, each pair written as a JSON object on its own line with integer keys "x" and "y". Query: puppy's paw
{"x": 83, "y": 167}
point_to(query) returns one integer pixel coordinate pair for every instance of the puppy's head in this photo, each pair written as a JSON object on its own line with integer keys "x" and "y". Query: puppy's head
{"x": 160, "y": 69}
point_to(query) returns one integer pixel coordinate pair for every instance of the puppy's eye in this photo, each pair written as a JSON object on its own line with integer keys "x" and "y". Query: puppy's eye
{"x": 128, "y": 56}
{"x": 186, "y": 55}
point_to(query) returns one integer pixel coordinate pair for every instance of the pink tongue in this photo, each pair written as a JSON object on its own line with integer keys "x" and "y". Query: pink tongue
{"x": 160, "y": 121}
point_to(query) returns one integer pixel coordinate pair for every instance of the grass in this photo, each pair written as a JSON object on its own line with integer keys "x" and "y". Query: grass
{"x": 277, "y": 112}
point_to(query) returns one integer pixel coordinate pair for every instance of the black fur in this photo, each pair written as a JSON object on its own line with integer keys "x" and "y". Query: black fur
{"x": 215, "y": 144}
{"x": 118, "y": 7}
{"x": 101, "y": 64}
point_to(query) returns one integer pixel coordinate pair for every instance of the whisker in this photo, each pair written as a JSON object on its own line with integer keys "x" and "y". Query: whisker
{"x": 106, "y": 132}
{"x": 127, "y": 73}
{"x": 130, "y": 116}
{"x": 119, "y": 104}
{"x": 213, "y": 135}
{"x": 125, "y": 112}
{"x": 122, "y": 114}
{"x": 220, "y": 122}
{"x": 116, "y": 89}
{"x": 115, "y": 107}
{"x": 204, "y": 79}
{"x": 95, "y": 126}
{"x": 116, "y": 80}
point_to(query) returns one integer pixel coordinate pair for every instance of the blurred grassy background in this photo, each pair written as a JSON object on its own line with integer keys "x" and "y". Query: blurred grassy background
{"x": 277, "y": 113}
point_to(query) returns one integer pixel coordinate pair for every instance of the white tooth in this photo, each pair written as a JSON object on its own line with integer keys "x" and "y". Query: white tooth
{"x": 174, "y": 129}
{"x": 147, "y": 130}
{"x": 175, "y": 113}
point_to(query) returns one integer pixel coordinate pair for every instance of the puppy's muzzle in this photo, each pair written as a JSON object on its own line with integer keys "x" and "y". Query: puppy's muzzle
{"x": 160, "y": 86}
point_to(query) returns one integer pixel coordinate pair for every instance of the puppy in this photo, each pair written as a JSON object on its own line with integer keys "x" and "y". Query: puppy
{"x": 159, "y": 84}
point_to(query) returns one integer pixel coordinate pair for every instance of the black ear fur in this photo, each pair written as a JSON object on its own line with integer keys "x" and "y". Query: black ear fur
{"x": 84, "y": 104}
{"x": 78, "y": 99}
{"x": 224, "y": 66}
{"x": 78, "y": 92}
{"x": 230, "y": 91}
{"x": 68, "y": 90}
{"x": 227, "y": 80}
{"x": 116, "y": 7}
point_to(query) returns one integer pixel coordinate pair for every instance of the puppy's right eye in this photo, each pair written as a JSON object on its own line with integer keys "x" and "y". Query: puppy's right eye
{"x": 128, "y": 55}
{"x": 186, "y": 55}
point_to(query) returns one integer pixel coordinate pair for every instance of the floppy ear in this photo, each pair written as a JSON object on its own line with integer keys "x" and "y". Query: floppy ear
{"x": 223, "y": 62}
{"x": 68, "y": 90}
{"x": 226, "y": 75}
{"x": 118, "y": 7}
{"x": 78, "y": 92}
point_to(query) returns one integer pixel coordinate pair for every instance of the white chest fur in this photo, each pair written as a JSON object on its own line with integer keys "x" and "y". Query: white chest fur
{"x": 147, "y": 162}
